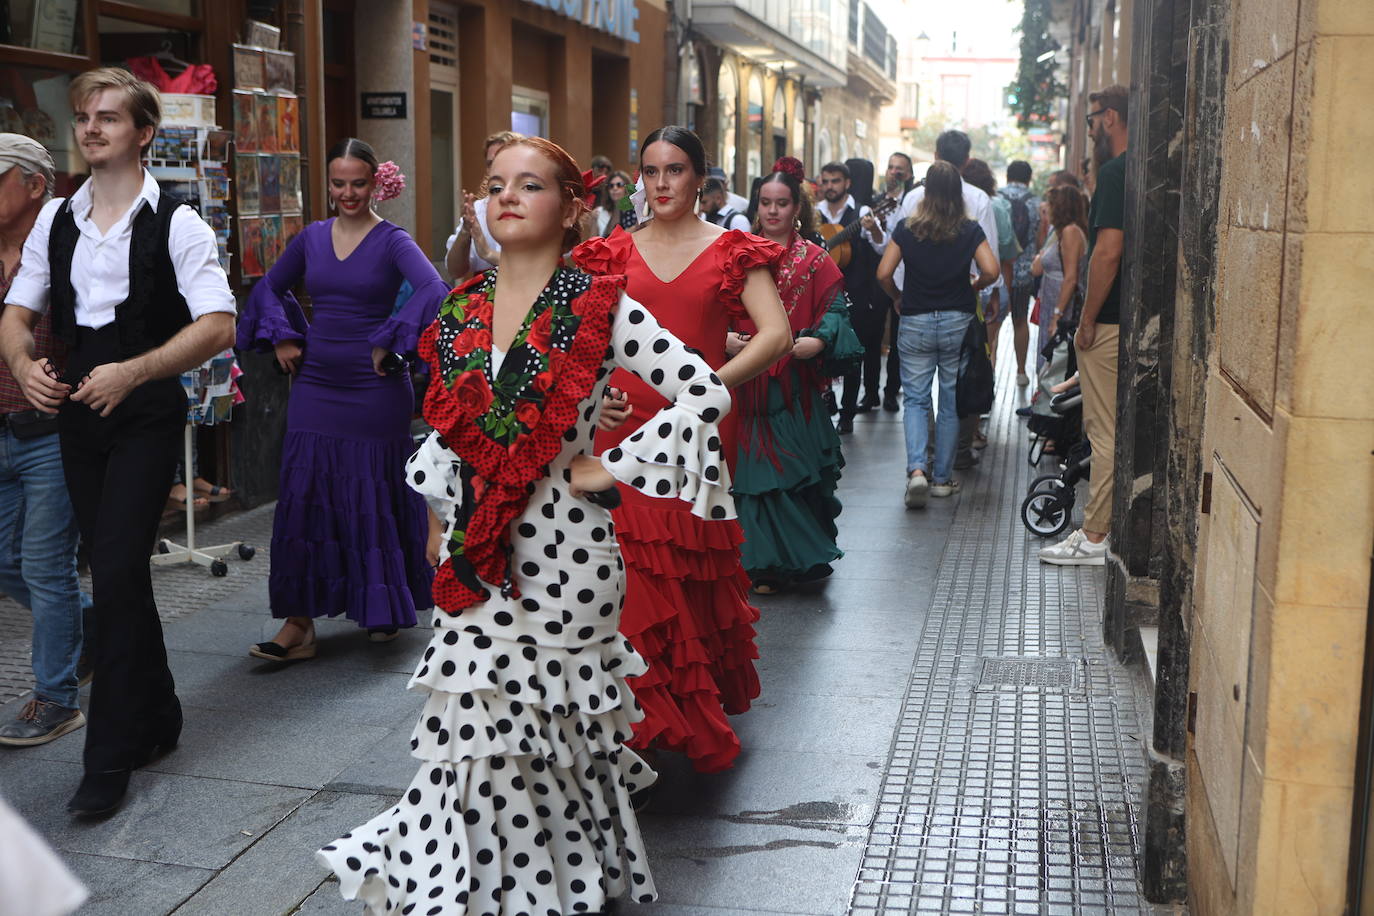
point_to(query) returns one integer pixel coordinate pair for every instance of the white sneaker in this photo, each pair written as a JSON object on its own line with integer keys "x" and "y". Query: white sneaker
{"x": 948, "y": 488}
{"x": 917, "y": 488}
{"x": 1076, "y": 550}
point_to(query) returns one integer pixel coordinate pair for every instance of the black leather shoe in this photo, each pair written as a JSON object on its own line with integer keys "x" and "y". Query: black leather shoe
{"x": 890, "y": 403}
{"x": 870, "y": 402}
{"x": 99, "y": 793}
{"x": 845, "y": 424}
{"x": 165, "y": 739}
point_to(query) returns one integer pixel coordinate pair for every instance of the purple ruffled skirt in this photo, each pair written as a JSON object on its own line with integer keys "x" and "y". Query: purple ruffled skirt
{"x": 349, "y": 534}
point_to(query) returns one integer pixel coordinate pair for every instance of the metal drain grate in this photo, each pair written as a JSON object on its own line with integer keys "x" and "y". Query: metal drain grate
{"x": 1050, "y": 675}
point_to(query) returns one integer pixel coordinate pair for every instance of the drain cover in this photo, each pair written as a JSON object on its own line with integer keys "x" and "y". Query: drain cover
{"x": 1051, "y": 675}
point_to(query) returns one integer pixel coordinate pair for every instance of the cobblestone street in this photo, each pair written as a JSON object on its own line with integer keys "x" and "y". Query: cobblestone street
{"x": 940, "y": 731}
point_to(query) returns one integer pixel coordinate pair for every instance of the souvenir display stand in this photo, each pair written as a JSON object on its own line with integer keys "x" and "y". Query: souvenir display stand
{"x": 170, "y": 553}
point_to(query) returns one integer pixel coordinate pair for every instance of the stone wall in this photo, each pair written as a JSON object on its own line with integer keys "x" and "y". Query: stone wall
{"x": 1282, "y": 569}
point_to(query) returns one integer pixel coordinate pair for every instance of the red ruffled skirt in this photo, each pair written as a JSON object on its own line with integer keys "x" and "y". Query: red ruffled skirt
{"x": 687, "y": 612}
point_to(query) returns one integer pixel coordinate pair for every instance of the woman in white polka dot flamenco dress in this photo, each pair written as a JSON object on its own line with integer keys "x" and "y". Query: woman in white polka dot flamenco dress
{"x": 522, "y": 802}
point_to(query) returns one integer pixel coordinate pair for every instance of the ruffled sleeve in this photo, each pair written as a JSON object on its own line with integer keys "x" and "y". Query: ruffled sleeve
{"x": 843, "y": 350}
{"x": 433, "y": 473}
{"x": 677, "y": 452}
{"x": 737, "y": 253}
{"x": 401, "y": 332}
{"x": 271, "y": 313}
{"x": 604, "y": 256}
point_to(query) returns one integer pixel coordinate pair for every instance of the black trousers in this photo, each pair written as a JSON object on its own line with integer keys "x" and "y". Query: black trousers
{"x": 119, "y": 469}
{"x": 894, "y": 361}
{"x": 868, "y": 317}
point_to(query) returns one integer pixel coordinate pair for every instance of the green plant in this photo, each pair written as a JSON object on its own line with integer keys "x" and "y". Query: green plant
{"x": 1037, "y": 86}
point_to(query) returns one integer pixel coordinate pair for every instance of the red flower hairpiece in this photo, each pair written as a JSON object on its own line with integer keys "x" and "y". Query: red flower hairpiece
{"x": 591, "y": 183}
{"x": 791, "y": 165}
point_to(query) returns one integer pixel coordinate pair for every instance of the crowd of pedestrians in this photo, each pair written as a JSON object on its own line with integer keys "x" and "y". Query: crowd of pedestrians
{"x": 633, "y": 432}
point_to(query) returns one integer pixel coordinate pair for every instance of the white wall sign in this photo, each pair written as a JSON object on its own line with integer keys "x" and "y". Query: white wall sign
{"x": 617, "y": 17}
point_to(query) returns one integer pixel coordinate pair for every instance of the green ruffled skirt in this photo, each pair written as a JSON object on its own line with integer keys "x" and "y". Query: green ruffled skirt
{"x": 788, "y": 509}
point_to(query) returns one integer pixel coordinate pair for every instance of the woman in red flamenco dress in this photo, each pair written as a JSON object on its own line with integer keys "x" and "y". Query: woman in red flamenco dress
{"x": 686, "y": 595}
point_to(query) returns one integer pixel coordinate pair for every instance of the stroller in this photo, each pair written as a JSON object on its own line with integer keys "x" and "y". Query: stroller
{"x": 1048, "y": 507}
{"x": 1045, "y": 424}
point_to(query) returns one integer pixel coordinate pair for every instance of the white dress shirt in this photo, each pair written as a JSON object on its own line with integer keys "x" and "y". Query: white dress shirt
{"x": 979, "y": 209}
{"x": 100, "y": 265}
{"x": 476, "y": 262}
{"x": 823, "y": 208}
{"x": 737, "y": 219}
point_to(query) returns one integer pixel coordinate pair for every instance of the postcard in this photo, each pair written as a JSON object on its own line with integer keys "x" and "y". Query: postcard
{"x": 249, "y": 69}
{"x": 291, "y": 225}
{"x": 245, "y": 122}
{"x": 279, "y": 71}
{"x": 271, "y": 240}
{"x": 269, "y": 184}
{"x": 288, "y": 124}
{"x": 217, "y": 145}
{"x": 246, "y": 182}
{"x": 290, "y": 182}
{"x": 266, "y": 108}
{"x": 250, "y": 246}
{"x": 261, "y": 35}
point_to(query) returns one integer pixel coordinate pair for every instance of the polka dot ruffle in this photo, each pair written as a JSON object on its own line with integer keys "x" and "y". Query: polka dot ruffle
{"x": 676, "y": 453}
{"x": 490, "y": 695}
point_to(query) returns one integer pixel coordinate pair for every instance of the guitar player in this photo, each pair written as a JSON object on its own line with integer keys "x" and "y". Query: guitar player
{"x": 868, "y": 304}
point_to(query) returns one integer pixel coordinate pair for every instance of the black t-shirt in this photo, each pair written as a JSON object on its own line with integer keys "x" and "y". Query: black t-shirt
{"x": 937, "y": 273}
{"x": 1108, "y": 211}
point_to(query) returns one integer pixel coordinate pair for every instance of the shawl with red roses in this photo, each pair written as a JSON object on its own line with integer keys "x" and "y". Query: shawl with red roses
{"x": 507, "y": 428}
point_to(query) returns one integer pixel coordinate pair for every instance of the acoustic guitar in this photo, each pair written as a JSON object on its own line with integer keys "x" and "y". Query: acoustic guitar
{"x": 837, "y": 238}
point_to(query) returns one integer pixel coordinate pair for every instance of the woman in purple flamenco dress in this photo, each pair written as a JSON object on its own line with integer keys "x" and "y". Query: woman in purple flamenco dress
{"x": 349, "y": 534}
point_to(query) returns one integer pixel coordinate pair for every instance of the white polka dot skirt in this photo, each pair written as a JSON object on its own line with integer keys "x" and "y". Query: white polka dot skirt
{"x": 522, "y": 804}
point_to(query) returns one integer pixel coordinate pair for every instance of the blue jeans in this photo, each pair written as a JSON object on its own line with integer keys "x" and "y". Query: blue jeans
{"x": 928, "y": 342}
{"x": 38, "y": 559}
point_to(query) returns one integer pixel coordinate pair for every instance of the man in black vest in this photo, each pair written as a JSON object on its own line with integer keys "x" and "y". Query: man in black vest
{"x": 132, "y": 282}
{"x": 868, "y": 305}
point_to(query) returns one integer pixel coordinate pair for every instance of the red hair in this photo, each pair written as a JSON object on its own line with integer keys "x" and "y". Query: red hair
{"x": 568, "y": 176}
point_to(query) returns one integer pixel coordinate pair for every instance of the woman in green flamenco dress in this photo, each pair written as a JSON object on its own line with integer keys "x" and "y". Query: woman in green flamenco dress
{"x": 789, "y": 453}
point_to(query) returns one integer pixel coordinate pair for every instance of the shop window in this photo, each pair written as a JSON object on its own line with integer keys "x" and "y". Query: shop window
{"x": 529, "y": 112}
{"x": 727, "y": 89}
{"x": 824, "y": 148}
{"x": 55, "y": 26}
{"x": 176, "y": 7}
{"x": 33, "y": 102}
{"x": 754, "y": 115}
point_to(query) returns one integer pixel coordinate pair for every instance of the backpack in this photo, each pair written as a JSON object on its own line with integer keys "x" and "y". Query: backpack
{"x": 1021, "y": 219}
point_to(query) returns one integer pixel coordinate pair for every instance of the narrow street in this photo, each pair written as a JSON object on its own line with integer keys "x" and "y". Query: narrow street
{"x": 940, "y": 731}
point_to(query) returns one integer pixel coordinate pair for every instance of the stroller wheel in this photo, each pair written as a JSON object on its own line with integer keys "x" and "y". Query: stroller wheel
{"x": 1045, "y": 513}
{"x": 1046, "y": 483}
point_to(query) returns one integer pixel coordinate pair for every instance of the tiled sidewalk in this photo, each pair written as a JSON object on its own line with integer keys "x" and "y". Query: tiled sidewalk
{"x": 180, "y": 590}
{"x": 1015, "y": 772}
{"x": 940, "y": 731}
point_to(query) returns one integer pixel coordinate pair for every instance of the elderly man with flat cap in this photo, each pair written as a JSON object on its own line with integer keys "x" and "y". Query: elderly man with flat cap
{"x": 37, "y": 528}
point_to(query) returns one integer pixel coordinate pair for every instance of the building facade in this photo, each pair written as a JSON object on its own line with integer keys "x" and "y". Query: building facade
{"x": 1243, "y": 518}
{"x": 423, "y": 81}
{"x": 762, "y": 80}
